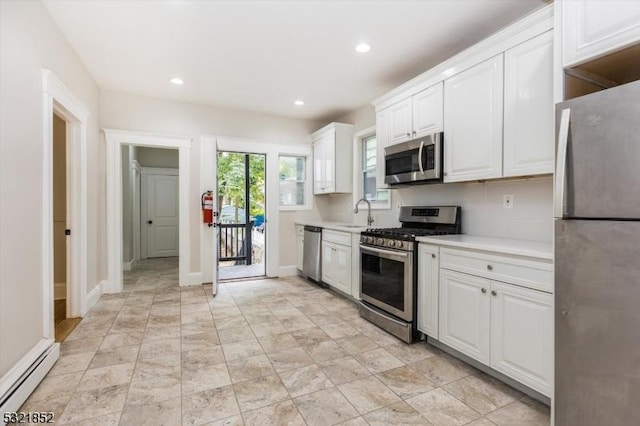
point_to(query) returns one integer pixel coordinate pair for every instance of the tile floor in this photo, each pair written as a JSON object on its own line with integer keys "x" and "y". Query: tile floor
{"x": 268, "y": 352}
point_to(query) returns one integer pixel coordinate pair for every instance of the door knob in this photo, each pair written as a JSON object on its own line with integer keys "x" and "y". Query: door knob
{"x": 150, "y": 222}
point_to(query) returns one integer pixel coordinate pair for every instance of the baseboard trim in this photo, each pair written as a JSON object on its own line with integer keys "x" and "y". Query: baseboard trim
{"x": 94, "y": 295}
{"x": 195, "y": 278}
{"x": 19, "y": 382}
{"x": 59, "y": 291}
{"x": 287, "y": 271}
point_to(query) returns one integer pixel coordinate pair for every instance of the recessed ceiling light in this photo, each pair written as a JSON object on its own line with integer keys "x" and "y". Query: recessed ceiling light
{"x": 177, "y": 81}
{"x": 299, "y": 102}
{"x": 363, "y": 48}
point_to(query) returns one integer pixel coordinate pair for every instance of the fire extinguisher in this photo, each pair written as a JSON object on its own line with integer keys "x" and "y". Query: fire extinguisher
{"x": 207, "y": 208}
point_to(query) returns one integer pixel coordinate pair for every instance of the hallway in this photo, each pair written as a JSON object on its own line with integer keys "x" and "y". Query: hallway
{"x": 279, "y": 351}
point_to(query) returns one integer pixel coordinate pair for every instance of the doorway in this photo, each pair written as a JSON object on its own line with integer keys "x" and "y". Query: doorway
{"x": 241, "y": 222}
{"x": 64, "y": 323}
{"x": 150, "y": 213}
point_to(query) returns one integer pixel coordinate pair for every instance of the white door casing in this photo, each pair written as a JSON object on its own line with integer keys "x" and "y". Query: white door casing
{"x": 59, "y": 99}
{"x": 114, "y": 141}
{"x": 160, "y": 223}
{"x": 209, "y": 235}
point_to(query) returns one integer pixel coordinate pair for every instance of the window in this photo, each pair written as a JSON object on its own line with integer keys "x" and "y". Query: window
{"x": 293, "y": 181}
{"x": 369, "y": 190}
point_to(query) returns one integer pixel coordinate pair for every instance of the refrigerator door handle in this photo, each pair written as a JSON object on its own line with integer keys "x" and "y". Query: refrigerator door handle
{"x": 561, "y": 163}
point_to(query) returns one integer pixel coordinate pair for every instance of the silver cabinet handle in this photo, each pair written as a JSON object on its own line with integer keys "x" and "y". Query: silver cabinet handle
{"x": 494, "y": 293}
{"x": 561, "y": 163}
{"x": 484, "y": 290}
{"x": 420, "y": 156}
{"x": 489, "y": 267}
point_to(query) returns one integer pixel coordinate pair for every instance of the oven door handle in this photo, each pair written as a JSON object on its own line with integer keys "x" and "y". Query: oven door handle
{"x": 386, "y": 253}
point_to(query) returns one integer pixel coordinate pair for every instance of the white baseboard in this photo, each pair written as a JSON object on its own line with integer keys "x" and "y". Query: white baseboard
{"x": 195, "y": 278}
{"x": 287, "y": 271}
{"x": 127, "y": 266}
{"x": 59, "y": 291}
{"x": 94, "y": 295}
{"x": 19, "y": 382}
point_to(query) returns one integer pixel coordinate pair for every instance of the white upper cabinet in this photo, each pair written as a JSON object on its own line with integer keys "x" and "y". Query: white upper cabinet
{"x": 473, "y": 101}
{"x": 427, "y": 111}
{"x": 528, "y": 107}
{"x": 592, "y": 28}
{"x": 400, "y": 122}
{"x": 416, "y": 116}
{"x": 332, "y": 159}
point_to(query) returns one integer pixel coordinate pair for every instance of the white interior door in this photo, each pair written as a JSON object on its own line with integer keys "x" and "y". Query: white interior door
{"x": 162, "y": 215}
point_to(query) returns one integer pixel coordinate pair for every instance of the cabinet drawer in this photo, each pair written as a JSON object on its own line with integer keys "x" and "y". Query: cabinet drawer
{"x": 300, "y": 230}
{"x": 531, "y": 273}
{"x": 337, "y": 237}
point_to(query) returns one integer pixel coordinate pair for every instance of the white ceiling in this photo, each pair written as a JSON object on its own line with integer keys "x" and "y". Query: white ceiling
{"x": 263, "y": 55}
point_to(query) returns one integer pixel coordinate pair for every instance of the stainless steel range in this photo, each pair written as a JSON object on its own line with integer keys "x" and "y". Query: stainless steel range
{"x": 389, "y": 262}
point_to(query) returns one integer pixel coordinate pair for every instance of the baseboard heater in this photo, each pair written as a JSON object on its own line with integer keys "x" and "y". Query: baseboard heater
{"x": 17, "y": 387}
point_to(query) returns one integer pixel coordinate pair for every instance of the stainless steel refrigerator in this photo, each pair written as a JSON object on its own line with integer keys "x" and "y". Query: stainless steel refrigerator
{"x": 597, "y": 259}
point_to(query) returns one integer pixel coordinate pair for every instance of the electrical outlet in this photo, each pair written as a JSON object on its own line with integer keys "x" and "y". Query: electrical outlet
{"x": 507, "y": 201}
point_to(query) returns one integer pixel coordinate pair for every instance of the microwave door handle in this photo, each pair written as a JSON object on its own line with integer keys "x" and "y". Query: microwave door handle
{"x": 420, "y": 157}
{"x": 561, "y": 163}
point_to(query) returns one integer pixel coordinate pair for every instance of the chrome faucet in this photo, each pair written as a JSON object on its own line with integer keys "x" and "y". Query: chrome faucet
{"x": 369, "y": 218}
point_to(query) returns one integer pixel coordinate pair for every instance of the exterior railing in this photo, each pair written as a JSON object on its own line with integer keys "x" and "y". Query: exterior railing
{"x": 235, "y": 242}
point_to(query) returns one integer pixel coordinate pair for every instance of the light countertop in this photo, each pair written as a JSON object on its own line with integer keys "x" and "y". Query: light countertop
{"x": 336, "y": 226}
{"x": 536, "y": 249}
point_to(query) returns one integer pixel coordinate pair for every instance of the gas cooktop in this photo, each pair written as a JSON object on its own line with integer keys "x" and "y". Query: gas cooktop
{"x": 416, "y": 222}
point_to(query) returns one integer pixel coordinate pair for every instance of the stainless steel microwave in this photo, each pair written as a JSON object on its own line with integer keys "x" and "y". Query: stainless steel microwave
{"x": 416, "y": 161}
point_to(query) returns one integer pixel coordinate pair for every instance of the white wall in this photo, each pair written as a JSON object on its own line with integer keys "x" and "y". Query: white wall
{"x": 531, "y": 217}
{"x": 30, "y": 41}
{"x": 142, "y": 113}
{"x": 158, "y": 157}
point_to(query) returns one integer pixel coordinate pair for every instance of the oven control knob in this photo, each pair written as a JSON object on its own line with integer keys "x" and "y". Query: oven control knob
{"x": 392, "y": 243}
{"x": 370, "y": 240}
{"x": 380, "y": 241}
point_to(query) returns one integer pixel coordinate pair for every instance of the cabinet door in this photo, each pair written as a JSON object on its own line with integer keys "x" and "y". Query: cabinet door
{"x": 382, "y": 141}
{"x": 300, "y": 251}
{"x": 529, "y": 107}
{"x": 464, "y": 313}
{"x": 473, "y": 122}
{"x": 592, "y": 28}
{"x": 318, "y": 167}
{"x": 427, "y": 109}
{"x": 428, "y": 280}
{"x": 329, "y": 142}
{"x": 328, "y": 263}
{"x": 342, "y": 267}
{"x": 400, "y": 122}
{"x": 522, "y": 335}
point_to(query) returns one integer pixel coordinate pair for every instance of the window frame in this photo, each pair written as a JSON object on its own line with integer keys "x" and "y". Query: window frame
{"x": 358, "y": 169}
{"x": 307, "y": 183}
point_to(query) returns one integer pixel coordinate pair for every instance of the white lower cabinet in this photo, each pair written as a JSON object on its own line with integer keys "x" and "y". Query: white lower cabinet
{"x": 505, "y": 326}
{"x": 428, "y": 289}
{"x": 336, "y": 261}
{"x": 464, "y": 314}
{"x": 522, "y": 335}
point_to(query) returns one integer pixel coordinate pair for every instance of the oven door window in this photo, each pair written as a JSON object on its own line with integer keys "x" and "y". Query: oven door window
{"x": 383, "y": 279}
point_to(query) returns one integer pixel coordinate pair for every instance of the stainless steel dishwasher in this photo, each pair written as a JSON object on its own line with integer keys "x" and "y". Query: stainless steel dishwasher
{"x": 312, "y": 253}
